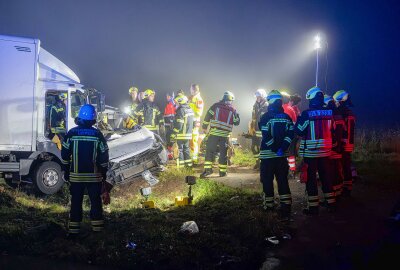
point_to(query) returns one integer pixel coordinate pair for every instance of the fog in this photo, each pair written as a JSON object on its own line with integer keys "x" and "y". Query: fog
{"x": 221, "y": 45}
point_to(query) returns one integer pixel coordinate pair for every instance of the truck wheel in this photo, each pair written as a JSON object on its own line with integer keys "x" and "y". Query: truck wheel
{"x": 48, "y": 178}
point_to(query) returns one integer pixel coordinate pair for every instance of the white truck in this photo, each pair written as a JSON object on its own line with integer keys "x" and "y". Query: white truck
{"x": 30, "y": 78}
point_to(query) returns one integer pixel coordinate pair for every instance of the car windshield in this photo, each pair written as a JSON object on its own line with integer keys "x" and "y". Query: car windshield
{"x": 77, "y": 101}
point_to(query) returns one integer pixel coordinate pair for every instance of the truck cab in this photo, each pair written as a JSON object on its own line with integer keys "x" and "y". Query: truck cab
{"x": 31, "y": 82}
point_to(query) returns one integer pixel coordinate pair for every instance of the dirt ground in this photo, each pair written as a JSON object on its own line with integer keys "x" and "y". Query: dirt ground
{"x": 357, "y": 236}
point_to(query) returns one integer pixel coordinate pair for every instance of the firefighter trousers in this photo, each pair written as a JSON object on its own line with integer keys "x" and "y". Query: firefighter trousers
{"x": 195, "y": 144}
{"x": 213, "y": 143}
{"x": 347, "y": 176}
{"x": 337, "y": 176}
{"x": 168, "y": 133}
{"x": 278, "y": 168}
{"x": 322, "y": 165}
{"x": 184, "y": 159}
{"x": 77, "y": 191}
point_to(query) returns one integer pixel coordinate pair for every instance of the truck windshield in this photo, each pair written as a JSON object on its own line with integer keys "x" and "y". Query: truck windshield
{"x": 77, "y": 101}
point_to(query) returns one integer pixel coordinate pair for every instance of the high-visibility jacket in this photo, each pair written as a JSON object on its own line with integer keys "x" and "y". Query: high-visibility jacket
{"x": 259, "y": 108}
{"x": 57, "y": 118}
{"x": 289, "y": 110}
{"x": 349, "y": 127}
{"x": 315, "y": 126}
{"x": 197, "y": 105}
{"x": 169, "y": 114}
{"x": 221, "y": 117}
{"x": 277, "y": 132}
{"x": 150, "y": 114}
{"x": 84, "y": 154}
{"x": 183, "y": 123}
{"x": 337, "y": 145}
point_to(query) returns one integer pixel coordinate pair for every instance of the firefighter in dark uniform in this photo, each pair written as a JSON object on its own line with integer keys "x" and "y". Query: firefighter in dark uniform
{"x": 85, "y": 161}
{"x": 182, "y": 132}
{"x": 220, "y": 118}
{"x": 149, "y": 112}
{"x": 344, "y": 103}
{"x": 337, "y": 148}
{"x": 315, "y": 126}
{"x": 277, "y": 134}
{"x": 260, "y": 107}
{"x": 57, "y": 119}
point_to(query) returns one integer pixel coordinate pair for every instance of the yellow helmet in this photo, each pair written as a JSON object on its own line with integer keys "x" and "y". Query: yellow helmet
{"x": 133, "y": 89}
{"x": 181, "y": 99}
{"x": 63, "y": 96}
{"x": 148, "y": 93}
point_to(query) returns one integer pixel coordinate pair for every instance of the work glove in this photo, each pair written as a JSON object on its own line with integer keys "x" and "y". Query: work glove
{"x": 280, "y": 152}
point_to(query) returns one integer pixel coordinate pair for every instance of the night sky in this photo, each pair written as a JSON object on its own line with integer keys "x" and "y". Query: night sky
{"x": 223, "y": 45}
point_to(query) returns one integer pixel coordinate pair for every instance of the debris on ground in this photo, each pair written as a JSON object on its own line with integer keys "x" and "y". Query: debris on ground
{"x": 189, "y": 227}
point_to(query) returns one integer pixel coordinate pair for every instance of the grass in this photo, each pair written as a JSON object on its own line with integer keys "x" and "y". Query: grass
{"x": 231, "y": 223}
{"x": 377, "y": 144}
{"x": 243, "y": 157}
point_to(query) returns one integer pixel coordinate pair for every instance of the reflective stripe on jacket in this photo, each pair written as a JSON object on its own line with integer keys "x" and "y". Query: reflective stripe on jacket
{"x": 221, "y": 117}
{"x": 197, "y": 105}
{"x": 259, "y": 108}
{"x": 85, "y": 154}
{"x": 183, "y": 123}
{"x": 315, "y": 126}
{"x": 277, "y": 133}
{"x": 169, "y": 114}
{"x": 150, "y": 113}
{"x": 349, "y": 120}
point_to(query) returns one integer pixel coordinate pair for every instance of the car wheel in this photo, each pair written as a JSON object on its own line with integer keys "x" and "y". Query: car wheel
{"x": 48, "y": 178}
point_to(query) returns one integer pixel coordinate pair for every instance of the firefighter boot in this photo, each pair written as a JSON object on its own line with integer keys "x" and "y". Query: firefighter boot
{"x": 222, "y": 174}
{"x": 206, "y": 173}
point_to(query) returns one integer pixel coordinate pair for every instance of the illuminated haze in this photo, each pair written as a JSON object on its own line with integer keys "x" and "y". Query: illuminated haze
{"x": 222, "y": 45}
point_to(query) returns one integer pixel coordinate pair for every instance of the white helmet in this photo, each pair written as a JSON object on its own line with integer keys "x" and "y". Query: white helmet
{"x": 261, "y": 93}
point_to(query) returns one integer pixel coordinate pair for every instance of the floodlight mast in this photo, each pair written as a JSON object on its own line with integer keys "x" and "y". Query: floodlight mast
{"x": 317, "y": 46}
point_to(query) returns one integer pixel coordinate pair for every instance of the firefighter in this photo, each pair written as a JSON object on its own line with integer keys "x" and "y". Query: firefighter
{"x": 336, "y": 154}
{"x": 129, "y": 121}
{"x": 277, "y": 134}
{"x": 150, "y": 113}
{"x": 169, "y": 115}
{"x": 259, "y": 108}
{"x": 220, "y": 118}
{"x": 294, "y": 101}
{"x": 315, "y": 126}
{"x": 134, "y": 92}
{"x": 57, "y": 119}
{"x": 344, "y": 104}
{"x": 182, "y": 132}
{"x": 85, "y": 161}
{"x": 197, "y": 105}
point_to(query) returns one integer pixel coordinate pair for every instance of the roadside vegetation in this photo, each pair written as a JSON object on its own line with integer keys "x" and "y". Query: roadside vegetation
{"x": 232, "y": 227}
{"x": 232, "y": 224}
